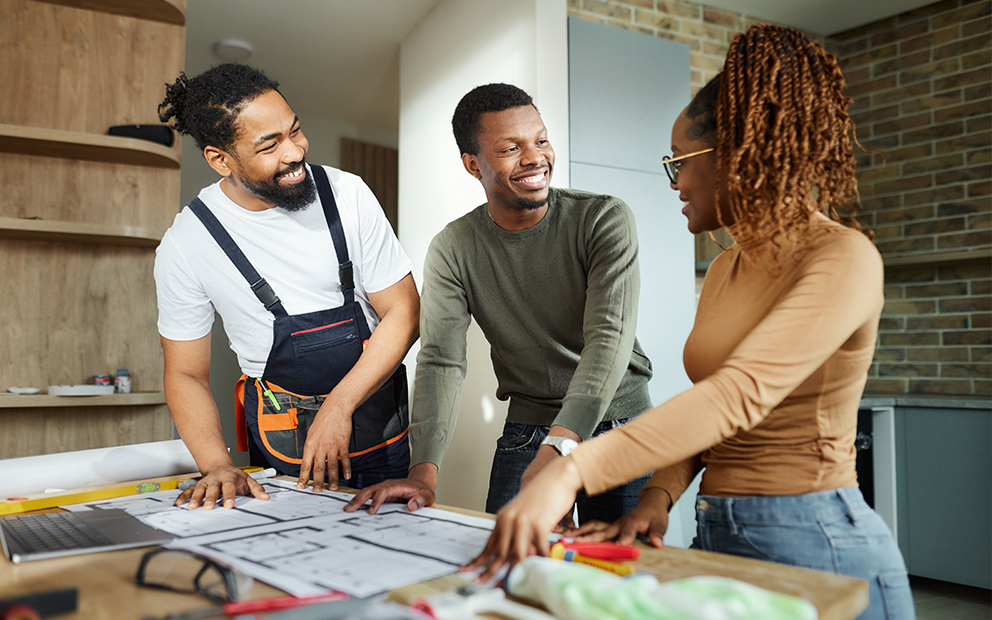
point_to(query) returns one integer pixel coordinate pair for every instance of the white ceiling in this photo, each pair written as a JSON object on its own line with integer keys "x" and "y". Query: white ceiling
{"x": 340, "y": 58}
{"x": 334, "y": 58}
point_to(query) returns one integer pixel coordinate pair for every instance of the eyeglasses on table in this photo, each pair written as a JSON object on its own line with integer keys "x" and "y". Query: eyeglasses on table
{"x": 191, "y": 573}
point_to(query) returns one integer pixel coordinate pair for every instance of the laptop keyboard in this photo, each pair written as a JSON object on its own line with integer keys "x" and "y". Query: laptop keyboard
{"x": 53, "y": 531}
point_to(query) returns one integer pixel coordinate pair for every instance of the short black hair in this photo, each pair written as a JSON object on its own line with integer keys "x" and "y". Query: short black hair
{"x": 207, "y": 106}
{"x": 488, "y": 98}
{"x": 702, "y": 111}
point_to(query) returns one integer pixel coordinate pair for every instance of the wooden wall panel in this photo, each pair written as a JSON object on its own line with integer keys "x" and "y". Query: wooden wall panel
{"x": 379, "y": 168}
{"x": 51, "y": 188}
{"x": 82, "y": 70}
{"x": 77, "y": 312}
{"x": 28, "y": 432}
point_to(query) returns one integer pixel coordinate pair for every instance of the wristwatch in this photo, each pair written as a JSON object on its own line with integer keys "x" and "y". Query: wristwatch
{"x": 563, "y": 445}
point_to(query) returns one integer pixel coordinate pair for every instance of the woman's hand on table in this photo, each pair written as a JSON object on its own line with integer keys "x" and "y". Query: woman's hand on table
{"x": 649, "y": 518}
{"x": 523, "y": 525}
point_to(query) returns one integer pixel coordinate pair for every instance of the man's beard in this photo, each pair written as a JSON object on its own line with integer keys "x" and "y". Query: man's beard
{"x": 531, "y": 205}
{"x": 294, "y": 197}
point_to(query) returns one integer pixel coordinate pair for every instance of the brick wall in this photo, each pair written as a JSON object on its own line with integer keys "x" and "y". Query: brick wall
{"x": 922, "y": 90}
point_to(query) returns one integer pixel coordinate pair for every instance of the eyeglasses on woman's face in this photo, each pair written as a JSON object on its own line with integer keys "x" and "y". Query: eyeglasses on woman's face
{"x": 673, "y": 164}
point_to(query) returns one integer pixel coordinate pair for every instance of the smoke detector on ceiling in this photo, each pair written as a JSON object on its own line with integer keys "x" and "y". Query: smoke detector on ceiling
{"x": 233, "y": 50}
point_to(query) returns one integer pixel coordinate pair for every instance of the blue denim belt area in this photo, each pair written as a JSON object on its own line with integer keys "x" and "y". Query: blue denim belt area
{"x": 518, "y": 446}
{"x": 833, "y": 531}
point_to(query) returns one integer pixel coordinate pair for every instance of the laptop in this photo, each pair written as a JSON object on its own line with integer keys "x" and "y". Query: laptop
{"x": 59, "y": 534}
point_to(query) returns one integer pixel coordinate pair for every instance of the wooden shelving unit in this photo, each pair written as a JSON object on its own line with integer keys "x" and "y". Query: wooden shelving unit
{"x": 85, "y": 146}
{"x": 77, "y": 232}
{"x": 167, "y": 11}
{"x": 81, "y": 214}
{"x": 35, "y": 401}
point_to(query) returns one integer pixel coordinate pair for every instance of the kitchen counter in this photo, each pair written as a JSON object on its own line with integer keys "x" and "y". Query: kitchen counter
{"x": 917, "y": 400}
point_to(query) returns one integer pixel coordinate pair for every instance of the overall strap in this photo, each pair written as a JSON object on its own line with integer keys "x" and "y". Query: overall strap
{"x": 345, "y": 271}
{"x": 259, "y": 286}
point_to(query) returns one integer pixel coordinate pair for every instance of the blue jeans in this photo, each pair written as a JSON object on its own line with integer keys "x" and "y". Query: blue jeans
{"x": 833, "y": 531}
{"x": 518, "y": 447}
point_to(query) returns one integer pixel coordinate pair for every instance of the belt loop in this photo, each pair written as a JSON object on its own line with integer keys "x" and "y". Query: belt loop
{"x": 729, "y": 502}
{"x": 850, "y": 508}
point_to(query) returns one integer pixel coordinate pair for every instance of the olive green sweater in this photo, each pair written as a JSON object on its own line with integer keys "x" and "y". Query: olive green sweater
{"x": 557, "y": 303}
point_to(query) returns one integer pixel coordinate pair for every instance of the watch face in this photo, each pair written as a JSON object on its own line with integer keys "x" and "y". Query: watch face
{"x": 563, "y": 445}
{"x": 567, "y": 445}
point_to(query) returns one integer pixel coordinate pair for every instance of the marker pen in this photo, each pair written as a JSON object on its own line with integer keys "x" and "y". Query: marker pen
{"x": 559, "y": 552}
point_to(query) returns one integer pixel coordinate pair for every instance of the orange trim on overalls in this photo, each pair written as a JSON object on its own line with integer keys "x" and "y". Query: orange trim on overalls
{"x": 261, "y": 431}
{"x": 240, "y": 423}
{"x": 382, "y": 445}
{"x": 279, "y": 421}
{"x": 282, "y": 418}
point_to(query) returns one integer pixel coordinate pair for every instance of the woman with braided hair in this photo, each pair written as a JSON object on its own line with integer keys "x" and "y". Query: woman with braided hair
{"x": 779, "y": 353}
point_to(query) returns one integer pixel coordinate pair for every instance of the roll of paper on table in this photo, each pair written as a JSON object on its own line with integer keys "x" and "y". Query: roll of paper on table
{"x": 560, "y": 552}
{"x": 264, "y": 473}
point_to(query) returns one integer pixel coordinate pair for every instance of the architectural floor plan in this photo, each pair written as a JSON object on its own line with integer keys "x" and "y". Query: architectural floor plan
{"x": 304, "y": 543}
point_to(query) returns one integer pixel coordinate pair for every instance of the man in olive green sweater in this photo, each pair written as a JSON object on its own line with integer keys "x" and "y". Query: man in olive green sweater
{"x": 551, "y": 276}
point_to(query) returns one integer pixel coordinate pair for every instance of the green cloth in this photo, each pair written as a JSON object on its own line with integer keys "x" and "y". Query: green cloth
{"x": 577, "y": 592}
{"x": 558, "y": 305}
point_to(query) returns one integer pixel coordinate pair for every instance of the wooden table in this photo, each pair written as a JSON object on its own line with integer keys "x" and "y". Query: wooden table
{"x": 107, "y": 590}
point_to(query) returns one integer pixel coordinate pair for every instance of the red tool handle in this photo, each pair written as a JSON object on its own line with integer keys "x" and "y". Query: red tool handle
{"x": 20, "y": 611}
{"x": 603, "y": 550}
{"x": 281, "y": 602}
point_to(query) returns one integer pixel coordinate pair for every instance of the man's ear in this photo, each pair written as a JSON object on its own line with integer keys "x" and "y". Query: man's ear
{"x": 471, "y": 163}
{"x": 219, "y": 160}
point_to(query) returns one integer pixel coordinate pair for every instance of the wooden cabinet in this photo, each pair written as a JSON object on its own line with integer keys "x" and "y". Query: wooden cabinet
{"x": 80, "y": 215}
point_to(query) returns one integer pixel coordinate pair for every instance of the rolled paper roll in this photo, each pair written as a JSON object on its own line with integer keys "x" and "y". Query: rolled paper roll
{"x": 30, "y": 475}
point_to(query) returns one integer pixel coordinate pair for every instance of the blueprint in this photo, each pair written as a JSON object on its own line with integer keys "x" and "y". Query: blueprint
{"x": 304, "y": 543}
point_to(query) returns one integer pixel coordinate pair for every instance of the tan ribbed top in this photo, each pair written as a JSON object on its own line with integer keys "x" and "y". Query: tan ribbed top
{"x": 779, "y": 360}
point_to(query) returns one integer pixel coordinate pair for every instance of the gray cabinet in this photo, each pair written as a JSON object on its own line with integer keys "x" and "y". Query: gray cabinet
{"x": 944, "y": 491}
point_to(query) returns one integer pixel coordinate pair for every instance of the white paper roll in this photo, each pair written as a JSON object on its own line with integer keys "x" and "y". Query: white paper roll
{"x": 85, "y": 468}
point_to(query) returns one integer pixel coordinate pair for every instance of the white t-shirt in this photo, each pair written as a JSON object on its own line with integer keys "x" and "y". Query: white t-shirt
{"x": 293, "y": 251}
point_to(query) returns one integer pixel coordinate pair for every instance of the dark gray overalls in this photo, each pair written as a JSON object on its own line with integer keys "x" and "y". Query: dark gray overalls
{"x": 310, "y": 354}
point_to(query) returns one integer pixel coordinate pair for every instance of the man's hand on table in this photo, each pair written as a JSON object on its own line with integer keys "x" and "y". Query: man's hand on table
{"x": 327, "y": 443}
{"x": 417, "y": 490}
{"x": 223, "y": 482}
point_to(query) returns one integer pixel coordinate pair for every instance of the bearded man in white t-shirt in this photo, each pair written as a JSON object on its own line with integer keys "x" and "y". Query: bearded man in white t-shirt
{"x": 316, "y": 294}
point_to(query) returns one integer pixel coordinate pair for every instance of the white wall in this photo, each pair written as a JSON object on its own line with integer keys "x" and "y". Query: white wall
{"x": 462, "y": 44}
